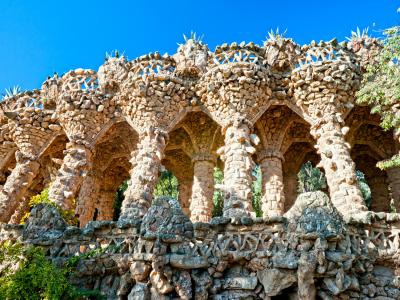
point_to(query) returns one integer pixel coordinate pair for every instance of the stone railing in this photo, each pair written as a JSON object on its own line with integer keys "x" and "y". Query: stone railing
{"x": 153, "y": 65}
{"x": 235, "y": 53}
{"x": 79, "y": 80}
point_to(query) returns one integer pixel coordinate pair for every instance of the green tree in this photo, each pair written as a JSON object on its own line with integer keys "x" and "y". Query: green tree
{"x": 167, "y": 185}
{"x": 364, "y": 187}
{"x": 381, "y": 87}
{"x": 218, "y": 197}
{"x": 310, "y": 179}
{"x": 30, "y": 275}
{"x": 256, "y": 189}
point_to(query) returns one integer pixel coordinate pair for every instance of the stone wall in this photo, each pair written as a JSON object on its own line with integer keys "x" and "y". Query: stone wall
{"x": 311, "y": 252}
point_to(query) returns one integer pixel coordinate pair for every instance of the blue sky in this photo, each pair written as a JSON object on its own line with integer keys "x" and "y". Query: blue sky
{"x": 41, "y": 37}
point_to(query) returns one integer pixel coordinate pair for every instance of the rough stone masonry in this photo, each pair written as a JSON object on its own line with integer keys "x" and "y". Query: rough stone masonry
{"x": 277, "y": 106}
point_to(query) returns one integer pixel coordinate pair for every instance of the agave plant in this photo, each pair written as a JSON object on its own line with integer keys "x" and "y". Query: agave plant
{"x": 11, "y": 92}
{"x": 114, "y": 53}
{"x": 276, "y": 35}
{"x": 194, "y": 37}
{"x": 358, "y": 34}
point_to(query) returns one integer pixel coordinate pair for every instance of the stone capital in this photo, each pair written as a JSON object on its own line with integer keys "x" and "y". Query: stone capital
{"x": 204, "y": 156}
{"x": 269, "y": 153}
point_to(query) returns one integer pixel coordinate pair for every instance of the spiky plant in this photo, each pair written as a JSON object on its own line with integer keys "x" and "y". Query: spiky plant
{"x": 11, "y": 92}
{"x": 276, "y": 35}
{"x": 358, "y": 34}
{"x": 194, "y": 37}
{"x": 114, "y": 53}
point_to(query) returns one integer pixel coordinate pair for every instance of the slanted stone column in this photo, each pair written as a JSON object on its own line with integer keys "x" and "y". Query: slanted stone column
{"x": 77, "y": 162}
{"x": 273, "y": 199}
{"x": 339, "y": 167}
{"x": 88, "y": 197}
{"x": 201, "y": 203}
{"x": 237, "y": 171}
{"x": 146, "y": 162}
{"x": 17, "y": 185}
{"x": 185, "y": 193}
{"x": 394, "y": 183}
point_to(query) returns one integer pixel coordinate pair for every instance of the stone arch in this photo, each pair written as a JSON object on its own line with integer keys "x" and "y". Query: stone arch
{"x": 296, "y": 155}
{"x": 366, "y": 159}
{"x": 179, "y": 163}
{"x": 370, "y": 144}
{"x": 277, "y": 129}
{"x": 50, "y": 158}
{"x": 112, "y": 152}
{"x": 191, "y": 155}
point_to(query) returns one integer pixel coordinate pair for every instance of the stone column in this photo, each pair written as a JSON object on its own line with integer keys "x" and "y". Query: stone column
{"x": 201, "y": 203}
{"x": 339, "y": 167}
{"x": 146, "y": 162}
{"x": 393, "y": 175}
{"x": 273, "y": 198}
{"x": 88, "y": 198}
{"x": 379, "y": 193}
{"x": 17, "y": 185}
{"x": 77, "y": 162}
{"x": 105, "y": 205}
{"x": 185, "y": 192}
{"x": 237, "y": 171}
{"x": 290, "y": 189}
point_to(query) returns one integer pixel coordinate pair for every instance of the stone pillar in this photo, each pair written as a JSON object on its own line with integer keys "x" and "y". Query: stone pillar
{"x": 105, "y": 205}
{"x": 290, "y": 182}
{"x": 237, "y": 171}
{"x": 88, "y": 198}
{"x": 146, "y": 162}
{"x": 393, "y": 175}
{"x": 185, "y": 192}
{"x": 379, "y": 193}
{"x": 339, "y": 167}
{"x": 273, "y": 198}
{"x": 77, "y": 162}
{"x": 201, "y": 203}
{"x": 17, "y": 185}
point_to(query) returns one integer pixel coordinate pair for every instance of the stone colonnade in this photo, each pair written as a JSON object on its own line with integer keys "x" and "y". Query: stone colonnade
{"x": 234, "y": 86}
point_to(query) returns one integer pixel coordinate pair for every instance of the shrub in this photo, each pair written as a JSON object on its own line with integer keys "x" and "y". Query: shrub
{"x": 43, "y": 197}
{"x": 35, "y": 277}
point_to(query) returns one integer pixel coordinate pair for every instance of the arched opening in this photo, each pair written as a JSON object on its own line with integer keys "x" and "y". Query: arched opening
{"x": 280, "y": 130}
{"x": 103, "y": 187}
{"x": 50, "y": 161}
{"x": 191, "y": 156}
{"x": 375, "y": 181}
{"x": 300, "y": 160}
{"x": 177, "y": 178}
{"x": 371, "y": 144}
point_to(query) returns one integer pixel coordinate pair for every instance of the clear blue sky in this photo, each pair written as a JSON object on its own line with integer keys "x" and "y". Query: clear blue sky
{"x": 39, "y": 37}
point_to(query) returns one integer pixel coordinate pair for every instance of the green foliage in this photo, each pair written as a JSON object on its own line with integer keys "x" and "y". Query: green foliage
{"x": 119, "y": 197}
{"x": 364, "y": 187}
{"x": 218, "y": 197}
{"x": 31, "y": 276}
{"x": 256, "y": 189}
{"x": 310, "y": 179}
{"x": 381, "y": 86}
{"x": 167, "y": 185}
{"x": 43, "y": 197}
